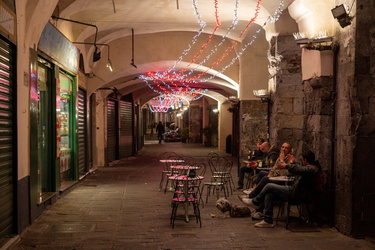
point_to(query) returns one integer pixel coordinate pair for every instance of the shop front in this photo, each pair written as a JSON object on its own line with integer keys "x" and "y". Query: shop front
{"x": 53, "y": 97}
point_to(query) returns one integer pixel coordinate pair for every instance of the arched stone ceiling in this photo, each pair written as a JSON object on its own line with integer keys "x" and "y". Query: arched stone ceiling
{"x": 154, "y": 22}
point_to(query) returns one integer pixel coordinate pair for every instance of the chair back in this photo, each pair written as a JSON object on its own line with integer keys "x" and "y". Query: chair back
{"x": 220, "y": 168}
{"x": 188, "y": 160}
{"x": 202, "y": 168}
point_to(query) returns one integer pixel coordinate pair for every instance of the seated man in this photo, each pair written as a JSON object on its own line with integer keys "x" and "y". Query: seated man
{"x": 286, "y": 150}
{"x": 263, "y": 178}
{"x": 269, "y": 158}
{"x": 301, "y": 189}
{"x": 258, "y": 154}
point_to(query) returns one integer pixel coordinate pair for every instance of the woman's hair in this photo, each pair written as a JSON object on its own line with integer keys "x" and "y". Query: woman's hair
{"x": 261, "y": 139}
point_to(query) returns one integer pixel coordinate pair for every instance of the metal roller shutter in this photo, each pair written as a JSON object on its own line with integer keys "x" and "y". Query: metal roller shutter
{"x": 81, "y": 133}
{"x": 126, "y": 129}
{"x": 6, "y": 141}
{"x": 112, "y": 131}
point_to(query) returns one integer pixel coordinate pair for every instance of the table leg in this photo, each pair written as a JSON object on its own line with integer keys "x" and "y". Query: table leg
{"x": 186, "y": 203}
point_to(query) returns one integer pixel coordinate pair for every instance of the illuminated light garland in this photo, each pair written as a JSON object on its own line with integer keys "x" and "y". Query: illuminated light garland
{"x": 271, "y": 19}
{"x": 190, "y": 94}
{"x": 202, "y": 24}
{"x": 216, "y": 46}
{"x": 230, "y": 48}
{"x": 164, "y": 102}
{"x": 218, "y": 23}
{"x": 204, "y": 46}
{"x": 160, "y": 79}
{"x": 165, "y": 75}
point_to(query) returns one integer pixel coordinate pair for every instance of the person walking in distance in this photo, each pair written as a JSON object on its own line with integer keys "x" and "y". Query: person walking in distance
{"x": 160, "y": 130}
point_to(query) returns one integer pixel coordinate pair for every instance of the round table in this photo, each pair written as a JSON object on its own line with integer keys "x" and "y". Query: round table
{"x": 185, "y": 179}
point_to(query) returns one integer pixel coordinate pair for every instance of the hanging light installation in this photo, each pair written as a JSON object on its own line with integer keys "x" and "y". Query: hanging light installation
{"x": 164, "y": 82}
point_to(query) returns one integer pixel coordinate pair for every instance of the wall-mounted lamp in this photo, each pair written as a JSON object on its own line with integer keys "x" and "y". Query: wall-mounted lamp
{"x": 216, "y": 111}
{"x": 97, "y": 53}
{"x": 233, "y": 99}
{"x": 109, "y": 63}
{"x": 96, "y": 56}
{"x": 339, "y": 12}
{"x": 263, "y": 94}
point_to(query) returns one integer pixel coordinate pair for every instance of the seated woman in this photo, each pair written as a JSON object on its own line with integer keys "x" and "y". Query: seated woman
{"x": 285, "y": 152}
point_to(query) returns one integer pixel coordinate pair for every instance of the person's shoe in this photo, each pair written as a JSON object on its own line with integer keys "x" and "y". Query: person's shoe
{"x": 242, "y": 197}
{"x": 264, "y": 224}
{"x": 257, "y": 216}
{"x": 248, "y": 202}
{"x": 247, "y": 191}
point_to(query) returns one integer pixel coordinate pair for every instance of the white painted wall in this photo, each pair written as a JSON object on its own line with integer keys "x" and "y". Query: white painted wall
{"x": 32, "y": 16}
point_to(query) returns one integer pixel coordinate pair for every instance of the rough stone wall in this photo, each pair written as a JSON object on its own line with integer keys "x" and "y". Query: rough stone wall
{"x": 302, "y": 113}
{"x": 287, "y": 101}
{"x": 362, "y": 129}
{"x": 318, "y": 136}
{"x": 319, "y": 97}
{"x": 345, "y": 138}
{"x": 253, "y": 125}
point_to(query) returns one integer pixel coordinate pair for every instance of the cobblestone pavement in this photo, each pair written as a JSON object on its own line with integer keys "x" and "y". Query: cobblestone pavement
{"x": 121, "y": 207}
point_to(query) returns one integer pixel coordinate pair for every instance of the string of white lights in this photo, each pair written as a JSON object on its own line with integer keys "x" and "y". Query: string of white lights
{"x": 271, "y": 19}
{"x": 157, "y": 77}
{"x": 202, "y": 25}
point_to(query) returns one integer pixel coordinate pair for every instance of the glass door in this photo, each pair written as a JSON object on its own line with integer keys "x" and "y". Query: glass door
{"x": 45, "y": 165}
{"x": 64, "y": 105}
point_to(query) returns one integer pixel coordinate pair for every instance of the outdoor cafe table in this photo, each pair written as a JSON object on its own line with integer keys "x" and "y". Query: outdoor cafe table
{"x": 171, "y": 161}
{"x": 185, "y": 180}
{"x": 286, "y": 179}
{"x": 183, "y": 169}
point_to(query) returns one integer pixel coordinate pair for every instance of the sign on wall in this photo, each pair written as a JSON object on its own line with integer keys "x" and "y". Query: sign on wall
{"x": 54, "y": 44}
{"x": 8, "y": 22}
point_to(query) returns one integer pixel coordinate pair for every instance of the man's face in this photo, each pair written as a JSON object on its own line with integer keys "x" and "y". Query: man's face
{"x": 286, "y": 148}
{"x": 264, "y": 148}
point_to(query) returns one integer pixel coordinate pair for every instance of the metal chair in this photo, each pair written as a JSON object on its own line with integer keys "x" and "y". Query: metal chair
{"x": 298, "y": 204}
{"x": 187, "y": 192}
{"x": 166, "y": 171}
{"x": 219, "y": 167}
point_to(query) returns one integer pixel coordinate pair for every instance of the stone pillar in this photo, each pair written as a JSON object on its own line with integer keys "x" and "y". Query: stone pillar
{"x": 287, "y": 101}
{"x": 356, "y": 124}
{"x": 253, "y": 125}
